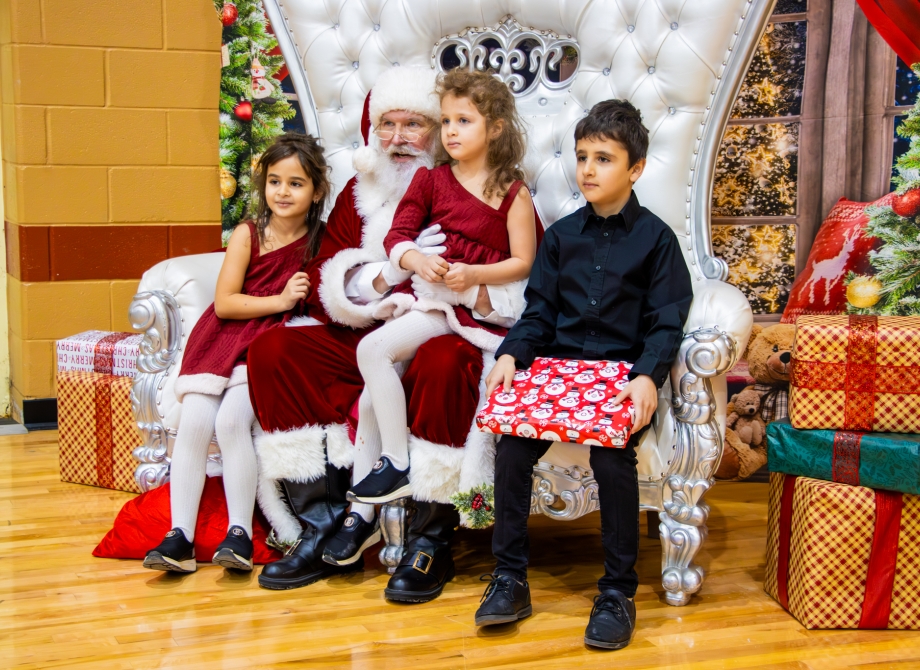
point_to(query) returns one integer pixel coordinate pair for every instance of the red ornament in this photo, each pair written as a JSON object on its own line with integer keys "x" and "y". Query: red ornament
{"x": 243, "y": 111}
{"x": 907, "y": 205}
{"x": 228, "y": 14}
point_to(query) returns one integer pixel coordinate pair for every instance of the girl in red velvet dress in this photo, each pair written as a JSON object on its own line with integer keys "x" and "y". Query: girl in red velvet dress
{"x": 477, "y": 197}
{"x": 261, "y": 282}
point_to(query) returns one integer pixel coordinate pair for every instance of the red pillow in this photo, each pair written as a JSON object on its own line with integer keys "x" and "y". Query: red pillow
{"x": 840, "y": 247}
{"x": 144, "y": 520}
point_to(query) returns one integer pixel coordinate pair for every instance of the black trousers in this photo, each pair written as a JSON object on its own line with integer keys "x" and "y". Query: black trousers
{"x": 618, "y": 491}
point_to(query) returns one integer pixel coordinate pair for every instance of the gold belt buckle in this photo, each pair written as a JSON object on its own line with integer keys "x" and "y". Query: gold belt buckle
{"x": 427, "y": 567}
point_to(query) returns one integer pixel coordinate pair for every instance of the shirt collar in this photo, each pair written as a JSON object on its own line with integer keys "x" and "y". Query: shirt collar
{"x": 630, "y": 213}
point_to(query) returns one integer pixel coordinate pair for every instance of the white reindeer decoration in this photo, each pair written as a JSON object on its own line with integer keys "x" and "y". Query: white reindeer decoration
{"x": 830, "y": 270}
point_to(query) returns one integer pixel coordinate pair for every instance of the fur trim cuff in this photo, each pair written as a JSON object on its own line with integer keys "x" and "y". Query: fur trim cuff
{"x": 332, "y": 289}
{"x": 296, "y": 454}
{"x": 204, "y": 383}
{"x": 397, "y": 252}
{"x": 435, "y": 470}
{"x": 239, "y": 376}
{"x": 286, "y": 526}
{"x": 339, "y": 449}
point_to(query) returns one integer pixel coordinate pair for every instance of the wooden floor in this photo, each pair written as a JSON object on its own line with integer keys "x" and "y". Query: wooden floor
{"x": 62, "y": 608}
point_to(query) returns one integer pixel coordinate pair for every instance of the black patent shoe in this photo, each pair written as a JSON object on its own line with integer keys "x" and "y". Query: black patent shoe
{"x": 504, "y": 601}
{"x": 354, "y": 537}
{"x": 420, "y": 575}
{"x": 613, "y": 619}
{"x": 383, "y": 484}
{"x": 174, "y": 554}
{"x": 235, "y": 552}
{"x": 301, "y": 567}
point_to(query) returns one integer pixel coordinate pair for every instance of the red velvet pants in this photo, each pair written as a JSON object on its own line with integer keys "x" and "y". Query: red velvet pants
{"x": 309, "y": 375}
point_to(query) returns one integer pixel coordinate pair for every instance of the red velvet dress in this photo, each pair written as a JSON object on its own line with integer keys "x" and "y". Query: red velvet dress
{"x": 476, "y": 233}
{"x": 216, "y": 346}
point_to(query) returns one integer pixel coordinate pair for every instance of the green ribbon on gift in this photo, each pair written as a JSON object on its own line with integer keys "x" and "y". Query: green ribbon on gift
{"x": 888, "y": 461}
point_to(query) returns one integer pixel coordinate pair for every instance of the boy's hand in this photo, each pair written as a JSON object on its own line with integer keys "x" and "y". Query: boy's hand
{"x": 644, "y": 395}
{"x": 502, "y": 373}
{"x": 295, "y": 290}
{"x": 460, "y": 277}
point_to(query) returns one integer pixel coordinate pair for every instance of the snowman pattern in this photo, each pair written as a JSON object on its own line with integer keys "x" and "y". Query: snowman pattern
{"x": 563, "y": 400}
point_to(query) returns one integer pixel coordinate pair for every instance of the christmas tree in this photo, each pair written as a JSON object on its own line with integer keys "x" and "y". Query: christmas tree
{"x": 895, "y": 288}
{"x": 252, "y": 105}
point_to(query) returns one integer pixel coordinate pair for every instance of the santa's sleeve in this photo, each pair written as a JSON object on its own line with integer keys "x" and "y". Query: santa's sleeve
{"x": 412, "y": 215}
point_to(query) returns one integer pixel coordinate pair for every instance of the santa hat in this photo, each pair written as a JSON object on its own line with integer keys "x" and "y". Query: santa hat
{"x": 408, "y": 88}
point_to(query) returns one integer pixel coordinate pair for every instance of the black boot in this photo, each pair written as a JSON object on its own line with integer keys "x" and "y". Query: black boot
{"x": 320, "y": 506}
{"x": 427, "y": 565}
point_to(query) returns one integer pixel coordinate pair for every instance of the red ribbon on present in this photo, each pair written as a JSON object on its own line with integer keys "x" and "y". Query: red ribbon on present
{"x": 861, "y": 378}
{"x": 883, "y": 556}
{"x": 845, "y": 461}
{"x": 105, "y": 441}
{"x": 104, "y": 352}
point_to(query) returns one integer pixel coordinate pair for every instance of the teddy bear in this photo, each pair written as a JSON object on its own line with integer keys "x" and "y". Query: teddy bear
{"x": 745, "y": 419}
{"x": 769, "y": 355}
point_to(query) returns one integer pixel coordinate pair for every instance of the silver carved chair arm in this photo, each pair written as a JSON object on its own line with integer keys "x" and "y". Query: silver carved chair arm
{"x": 157, "y": 314}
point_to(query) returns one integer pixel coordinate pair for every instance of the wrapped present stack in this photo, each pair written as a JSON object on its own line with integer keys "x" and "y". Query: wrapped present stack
{"x": 843, "y": 548}
{"x": 97, "y": 429}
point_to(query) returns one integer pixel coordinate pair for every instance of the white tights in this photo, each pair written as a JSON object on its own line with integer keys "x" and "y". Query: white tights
{"x": 382, "y": 423}
{"x": 232, "y": 417}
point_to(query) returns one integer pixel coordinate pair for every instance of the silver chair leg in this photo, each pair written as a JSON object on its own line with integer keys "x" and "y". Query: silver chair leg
{"x": 679, "y": 544}
{"x": 393, "y": 528}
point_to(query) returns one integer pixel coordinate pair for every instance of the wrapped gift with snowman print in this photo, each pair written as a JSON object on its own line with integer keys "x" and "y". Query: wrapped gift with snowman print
{"x": 563, "y": 400}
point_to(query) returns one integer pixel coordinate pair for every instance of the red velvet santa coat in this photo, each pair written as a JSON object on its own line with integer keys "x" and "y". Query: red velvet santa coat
{"x": 304, "y": 381}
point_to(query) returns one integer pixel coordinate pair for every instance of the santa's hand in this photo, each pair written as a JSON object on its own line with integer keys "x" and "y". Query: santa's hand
{"x": 502, "y": 373}
{"x": 644, "y": 395}
{"x": 394, "y": 277}
{"x": 432, "y": 291}
{"x": 431, "y": 241}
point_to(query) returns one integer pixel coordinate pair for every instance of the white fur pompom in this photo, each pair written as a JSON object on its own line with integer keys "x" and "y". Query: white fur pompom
{"x": 364, "y": 159}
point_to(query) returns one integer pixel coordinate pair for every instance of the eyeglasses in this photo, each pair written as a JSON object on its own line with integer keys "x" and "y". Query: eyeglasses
{"x": 387, "y": 135}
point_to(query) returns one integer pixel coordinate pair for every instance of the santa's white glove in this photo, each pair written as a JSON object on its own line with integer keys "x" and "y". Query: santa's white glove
{"x": 424, "y": 289}
{"x": 431, "y": 240}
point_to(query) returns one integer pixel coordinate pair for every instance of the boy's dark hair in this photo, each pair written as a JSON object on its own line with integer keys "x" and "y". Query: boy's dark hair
{"x": 619, "y": 121}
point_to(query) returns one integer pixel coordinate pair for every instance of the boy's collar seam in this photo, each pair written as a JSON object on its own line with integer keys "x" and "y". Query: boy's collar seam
{"x": 630, "y": 213}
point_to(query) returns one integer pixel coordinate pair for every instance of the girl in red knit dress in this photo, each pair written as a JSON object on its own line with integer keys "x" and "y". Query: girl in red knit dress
{"x": 477, "y": 197}
{"x": 261, "y": 282}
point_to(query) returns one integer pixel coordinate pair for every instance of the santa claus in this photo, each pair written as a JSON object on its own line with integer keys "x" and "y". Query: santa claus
{"x": 305, "y": 383}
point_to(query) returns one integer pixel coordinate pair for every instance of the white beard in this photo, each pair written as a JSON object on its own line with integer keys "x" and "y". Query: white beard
{"x": 391, "y": 179}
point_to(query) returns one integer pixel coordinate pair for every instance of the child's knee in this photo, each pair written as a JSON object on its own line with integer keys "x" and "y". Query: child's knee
{"x": 231, "y": 426}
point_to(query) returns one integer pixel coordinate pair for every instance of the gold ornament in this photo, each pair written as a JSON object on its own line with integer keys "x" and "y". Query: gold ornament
{"x": 227, "y": 184}
{"x": 863, "y": 292}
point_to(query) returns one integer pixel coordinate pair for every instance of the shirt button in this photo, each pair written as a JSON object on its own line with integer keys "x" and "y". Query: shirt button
{"x": 593, "y": 333}
{"x": 594, "y": 302}
{"x": 606, "y": 234}
{"x": 597, "y": 267}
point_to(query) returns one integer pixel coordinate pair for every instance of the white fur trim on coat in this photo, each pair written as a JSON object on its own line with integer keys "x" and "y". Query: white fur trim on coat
{"x": 398, "y": 304}
{"x": 339, "y": 449}
{"x": 409, "y": 88}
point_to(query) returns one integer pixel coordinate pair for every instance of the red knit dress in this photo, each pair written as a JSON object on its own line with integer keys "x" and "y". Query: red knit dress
{"x": 216, "y": 349}
{"x": 476, "y": 233}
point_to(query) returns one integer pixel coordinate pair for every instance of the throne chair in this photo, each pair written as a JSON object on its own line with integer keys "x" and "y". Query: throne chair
{"x": 681, "y": 62}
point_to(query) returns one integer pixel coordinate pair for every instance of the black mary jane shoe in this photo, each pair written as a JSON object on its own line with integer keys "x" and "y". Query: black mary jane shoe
{"x": 420, "y": 575}
{"x": 354, "y": 537}
{"x": 383, "y": 484}
{"x": 504, "y": 601}
{"x": 613, "y": 620}
{"x": 302, "y": 566}
{"x": 174, "y": 554}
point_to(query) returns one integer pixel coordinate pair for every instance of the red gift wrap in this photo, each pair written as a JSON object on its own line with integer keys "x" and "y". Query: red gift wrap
{"x": 841, "y": 556}
{"x": 856, "y": 373}
{"x": 97, "y": 430}
{"x": 563, "y": 400}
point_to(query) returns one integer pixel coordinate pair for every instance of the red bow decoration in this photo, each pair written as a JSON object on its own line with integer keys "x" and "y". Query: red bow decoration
{"x": 898, "y": 22}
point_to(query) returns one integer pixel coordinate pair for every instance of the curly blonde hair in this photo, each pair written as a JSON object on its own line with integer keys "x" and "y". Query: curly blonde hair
{"x": 494, "y": 101}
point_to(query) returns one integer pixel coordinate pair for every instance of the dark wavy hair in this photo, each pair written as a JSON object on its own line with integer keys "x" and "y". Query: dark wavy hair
{"x": 619, "y": 121}
{"x": 310, "y": 155}
{"x": 494, "y": 101}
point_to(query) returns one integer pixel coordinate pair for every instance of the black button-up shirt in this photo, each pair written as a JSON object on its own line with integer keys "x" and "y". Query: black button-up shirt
{"x": 606, "y": 289}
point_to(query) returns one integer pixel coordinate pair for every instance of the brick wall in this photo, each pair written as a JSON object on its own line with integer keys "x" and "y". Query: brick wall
{"x": 109, "y": 131}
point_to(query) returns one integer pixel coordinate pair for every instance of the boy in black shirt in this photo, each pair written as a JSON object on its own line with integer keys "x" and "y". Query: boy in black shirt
{"x": 609, "y": 283}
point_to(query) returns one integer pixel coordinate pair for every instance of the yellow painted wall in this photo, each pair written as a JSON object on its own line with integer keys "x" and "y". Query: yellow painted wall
{"x": 4, "y": 321}
{"x": 109, "y": 119}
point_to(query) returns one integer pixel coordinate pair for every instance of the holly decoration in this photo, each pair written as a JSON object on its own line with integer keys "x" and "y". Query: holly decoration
{"x": 247, "y": 126}
{"x": 476, "y": 506}
{"x": 907, "y": 205}
{"x": 228, "y": 14}
{"x": 243, "y": 111}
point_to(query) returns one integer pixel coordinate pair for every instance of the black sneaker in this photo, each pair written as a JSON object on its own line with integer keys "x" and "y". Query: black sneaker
{"x": 235, "y": 551}
{"x": 504, "y": 601}
{"x": 384, "y": 484}
{"x": 613, "y": 619}
{"x": 173, "y": 554}
{"x": 354, "y": 537}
